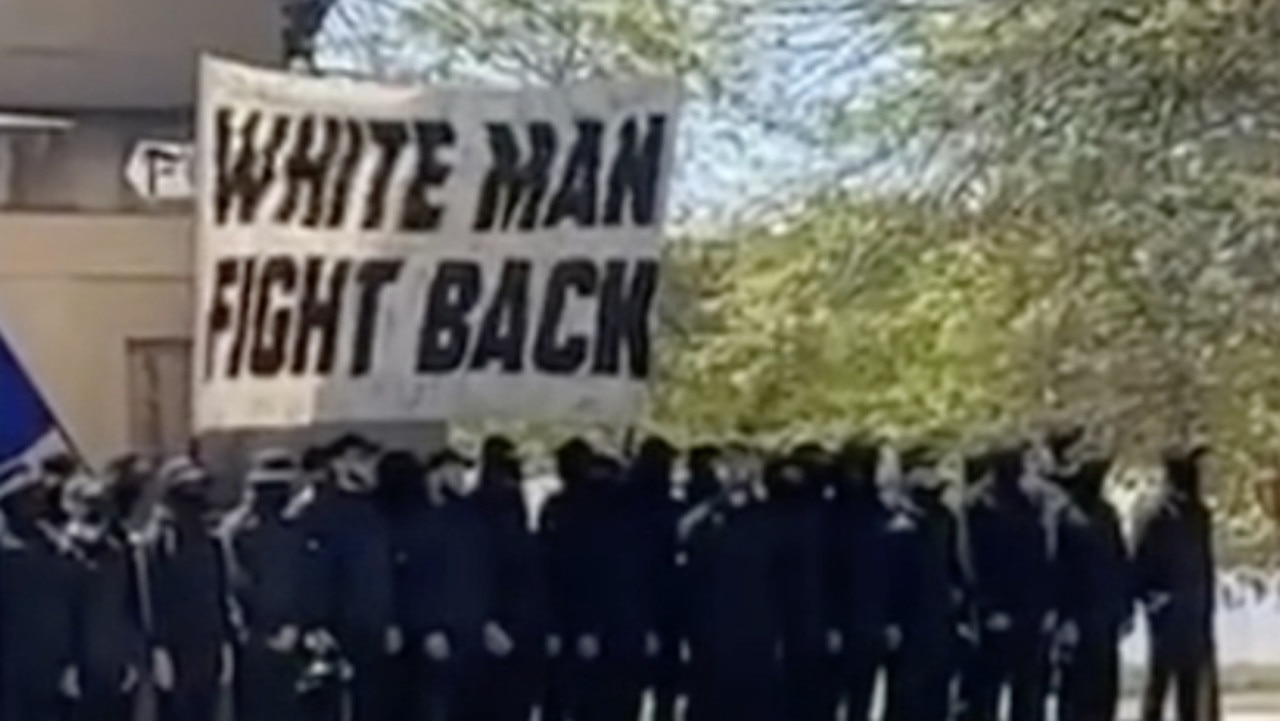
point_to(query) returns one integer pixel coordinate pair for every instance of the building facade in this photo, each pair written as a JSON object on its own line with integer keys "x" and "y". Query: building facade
{"x": 96, "y": 277}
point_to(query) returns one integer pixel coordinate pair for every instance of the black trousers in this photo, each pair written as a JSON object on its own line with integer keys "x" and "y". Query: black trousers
{"x": 865, "y": 657}
{"x": 1090, "y": 684}
{"x": 266, "y": 684}
{"x": 1016, "y": 661}
{"x": 731, "y": 690}
{"x": 1190, "y": 668}
{"x": 516, "y": 687}
{"x": 453, "y": 690}
{"x": 195, "y": 692}
{"x": 606, "y": 688}
{"x": 103, "y": 699}
{"x": 189, "y": 702}
{"x": 968, "y": 676}
{"x": 32, "y": 697}
{"x": 668, "y": 673}
{"x": 370, "y": 690}
{"x": 807, "y": 687}
{"x": 919, "y": 677}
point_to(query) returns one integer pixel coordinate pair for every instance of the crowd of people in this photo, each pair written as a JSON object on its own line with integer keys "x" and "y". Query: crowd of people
{"x": 722, "y": 584}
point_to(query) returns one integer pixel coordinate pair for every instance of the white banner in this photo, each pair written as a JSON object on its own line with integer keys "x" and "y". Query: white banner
{"x": 395, "y": 253}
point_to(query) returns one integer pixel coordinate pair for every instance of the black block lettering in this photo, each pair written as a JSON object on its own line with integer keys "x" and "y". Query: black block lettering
{"x": 319, "y": 313}
{"x": 390, "y": 137}
{"x": 218, "y": 318}
{"x": 271, "y": 334}
{"x": 339, "y": 199}
{"x": 511, "y": 184}
{"x": 244, "y": 304}
{"x": 373, "y": 277}
{"x": 623, "y": 320}
{"x": 307, "y": 172}
{"x": 505, "y": 327}
{"x": 635, "y": 172}
{"x": 242, "y": 182}
{"x": 442, "y": 343}
{"x": 420, "y": 214}
{"x": 577, "y": 197}
{"x": 551, "y": 354}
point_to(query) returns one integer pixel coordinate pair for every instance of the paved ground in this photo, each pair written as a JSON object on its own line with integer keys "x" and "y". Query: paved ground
{"x": 1236, "y": 707}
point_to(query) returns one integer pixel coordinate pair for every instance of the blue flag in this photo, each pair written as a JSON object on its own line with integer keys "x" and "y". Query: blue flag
{"x": 29, "y": 431}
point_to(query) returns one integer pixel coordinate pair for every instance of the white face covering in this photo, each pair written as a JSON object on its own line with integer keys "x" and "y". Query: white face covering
{"x": 354, "y": 473}
{"x": 924, "y": 478}
{"x": 741, "y": 470}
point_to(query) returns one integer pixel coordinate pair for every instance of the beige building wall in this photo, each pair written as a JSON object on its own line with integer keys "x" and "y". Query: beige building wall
{"x": 99, "y": 307}
{"x": 96, "y": 282}
{"x": 76, "y": 290}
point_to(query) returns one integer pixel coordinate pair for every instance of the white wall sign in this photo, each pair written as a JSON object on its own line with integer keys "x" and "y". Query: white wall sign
{"x": 161, "y": 170}
{"x": 403, "y": 253}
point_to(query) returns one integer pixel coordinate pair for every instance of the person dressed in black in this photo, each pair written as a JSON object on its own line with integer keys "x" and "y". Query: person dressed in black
{"x": 1096, "y": 597}
{"x": 112, "y": 647}
{"x": 607, "y": 591}
{"x": 660, "y": 505}
{"x": 1173, "y": 557}
{"x": 862, "y": 575}
{"x": 703, "y": 483}
{"x": 796, "y": 500}
{"x": 189, "y": 585}
{"x": 269, "y": 562}
{"x": 560, "y": 522}
{"x": 737, "y": 598}
{"x": 974, "y": 483}
{"x": 523, "y": 604}
{"x": 448, "y": 596}
{"x": 925, "y": 602}
{"x": 38, "y": 604}
{"x": 400, "y": 477}
{"x": 1013, "y": 589}
{"x": 350, "y": 597}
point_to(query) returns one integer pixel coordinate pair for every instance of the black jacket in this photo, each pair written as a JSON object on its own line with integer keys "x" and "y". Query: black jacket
{"x": 448, "y": 575}
{"x": 1011, "y": 556}
{"x": 1173, "y": 556}
{"x": 737, "y": 589}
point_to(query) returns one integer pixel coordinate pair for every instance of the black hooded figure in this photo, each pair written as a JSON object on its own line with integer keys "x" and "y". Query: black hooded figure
{"x": 38, "y": 604}
{"x": 1096, "y": 598}
{"x": 860, "y": 578}
{"x": 703, "y": 483}
{"x": 189, "y": 584}
{"x": 607, "y": 591}
{"x": 351, "y": 592}
{"x": 977, "y": 471}
{"x": 797, "y": 503}
{"x": 1013, "y": 590}
{"x": 448, "y": 595}
{"x": 924, "y": 602}
{"x": 1173, "y": 557}
{"x": 650, "y": 483}
{"x": 737, "y": 600}
{"x": 269, "y": 566}
{"x": 823, "y": 475}
{"x": 112, "y": 648}
{"x": 523, "y": 594}
{"x": 559, "y": 521}
{"x": 398, "y": 494}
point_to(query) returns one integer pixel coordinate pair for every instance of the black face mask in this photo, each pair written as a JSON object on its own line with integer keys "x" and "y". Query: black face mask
{"x": 928, "y": 495}
{"x": 1184, "y": 477}
{"x": 24, "y": 510}
{"x": 187, "y": 501}
{"x": 271, "y": 500}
